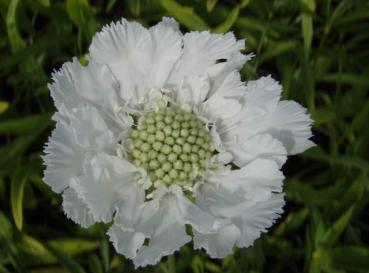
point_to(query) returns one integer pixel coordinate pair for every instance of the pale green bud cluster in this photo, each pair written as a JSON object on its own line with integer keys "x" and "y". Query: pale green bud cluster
{"x": 172, "y": 145}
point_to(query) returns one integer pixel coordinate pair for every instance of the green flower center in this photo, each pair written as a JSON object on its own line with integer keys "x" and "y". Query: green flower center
{"x": 172, "y": 145}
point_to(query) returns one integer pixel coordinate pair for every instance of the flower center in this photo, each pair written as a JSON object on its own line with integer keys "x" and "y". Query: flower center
{"x": 172, "y": 145}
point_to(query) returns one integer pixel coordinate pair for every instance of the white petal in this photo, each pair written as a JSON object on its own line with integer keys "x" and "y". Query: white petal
{"x": 258, "y": 218}
{"x": 291, "y": 125}
{"x": 243, "y": 197}
{"x": 200, "y": 220}
{"x": 76, "y": 209}
{"x": 258, "y": 178}
{"x": 80, "y": 132}
{"x": 260, "y": 98}
{"x": 285, "y": 121}
{"x": 98, "y": 195}
{"x": 263, "y": 93}
{"x": 193, "y": 91}
{"x": 233, "y": 64}
{"x": 124, "y": 46}
{"x": 63, "y": 157}
{"x": 62, "y": 89}
{"x": 220, "y": 244}
{"x": 221, "y": 108}
{"x": 225, "y": 100}
{"x": 75, "y": 84}
{"x": 201, "y": 51}
{"x": 259, "y": 146}
{"x": 230, "y": 87}
{"x": 139, "y": 58}
{"x": 129, "y": 209}
{"x": 165, "y": 228}
{"x": 90, "y": 130}
{"x": 216, "y": 199}
{"x": 126, "y": 242}
{"x": 254, "y": 182}
{"x": 107, "y": 182}
{"x": 165, "y": 51}
{"x": 170, "y": 22}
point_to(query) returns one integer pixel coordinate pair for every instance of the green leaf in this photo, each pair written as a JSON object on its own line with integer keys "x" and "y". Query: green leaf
{"x": 210, "y": 4}
{"x": 44, "y": 3}
{"x": 197, "y": 265}
{"x": 110, "y": 5}
{"x": 333, "y": 233}
{"x": 80, "y": 12}
{"x": 317, "y": 153}
{"x": 66, "y": 261}
{"x": 15, "y": 39}
{"x": 95, "y": 264}
{"x": 76, "y": 246}
{"x": 185, "y": 15}
{"x": 351, "y": 258}
{"x": 22, "y": 125}
{"x": 353, "y": 195}
{"x": 346, "y": 78}
{"x": 135, "y": 7}
{"x": 276, "y": 49}
{"x": 16, "y": 195}
{"x": 16, "y": 148}
{"x": 307, "y": 24}
{"x": 36, "y": 250}
{"x": 50, "y": 270}
{"x": 4, "y": 105}
{"x": 212, "y": 267}
{"x": 244, "y": 3}
{"x": 293, "y": 221}
{"x": 5, "y": 230}
{"x": 3, "y": 269}
{"x": 42, "y": 255}
{"x": 228, "y": 23}
{"x": 104, "y": 250}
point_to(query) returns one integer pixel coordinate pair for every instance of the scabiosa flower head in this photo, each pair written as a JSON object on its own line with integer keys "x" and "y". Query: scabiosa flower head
{"x": 158, "y": 132}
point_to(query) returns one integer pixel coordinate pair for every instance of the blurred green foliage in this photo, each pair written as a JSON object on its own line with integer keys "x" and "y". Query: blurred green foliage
{"x": 317, "y": 49}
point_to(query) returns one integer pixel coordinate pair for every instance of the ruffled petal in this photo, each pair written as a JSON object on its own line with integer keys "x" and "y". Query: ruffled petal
{"x": 262, "y": 146}
{"x": 76, "y": 209}
{"x": 166, "y": 50}
{"x": 260, "y": 97}
{"x": 164, "y": 225}
{"x": 291, "y": 125}
{"x": 63, "y": 157}
{"x": 141, "y": 59}
{"x": 107, "y": 181}
{"x": 192, "y": 92}
{"x": 80, "y": 132}
{"x": 90, "y": 130}
{"x": 201, "y": 53}
{"x": 224, "y": 100}
{"x": 263, "y": 93}
{"x": 258, "y": 218}
{"x": 248, "y": 198}
{"x": 262, "y": 114}
{"x": 288, "y": 122}
{"x": 254, "y": 182}
{"x": 126, "y": 242}
{"x": 171, "y": 23}
{"x": 75, "y": 84}
{"x": 220, "y": 244}
{"x": 200, "y": 220}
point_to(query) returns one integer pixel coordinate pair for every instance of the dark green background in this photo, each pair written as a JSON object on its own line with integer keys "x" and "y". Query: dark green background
{"x": 318, "y": 51}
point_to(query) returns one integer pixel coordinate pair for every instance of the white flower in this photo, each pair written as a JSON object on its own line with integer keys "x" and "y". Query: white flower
{"x": 158, "y": 131}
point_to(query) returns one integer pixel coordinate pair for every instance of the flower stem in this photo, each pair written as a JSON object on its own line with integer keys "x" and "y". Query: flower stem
{"x": 171, "y": 264}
